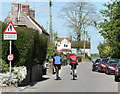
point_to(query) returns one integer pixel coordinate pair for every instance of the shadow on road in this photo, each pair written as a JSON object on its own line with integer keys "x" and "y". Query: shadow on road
{"x": 73, "y": 79}
{"x": 33, "y": 83}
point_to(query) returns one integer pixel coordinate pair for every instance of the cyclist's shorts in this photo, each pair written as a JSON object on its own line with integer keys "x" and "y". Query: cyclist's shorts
{"x": 73, "y": 65}
{"x": 57, "y": 66}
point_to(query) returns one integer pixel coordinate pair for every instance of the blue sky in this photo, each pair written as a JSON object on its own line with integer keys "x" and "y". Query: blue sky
{"x": 42, "y": 17}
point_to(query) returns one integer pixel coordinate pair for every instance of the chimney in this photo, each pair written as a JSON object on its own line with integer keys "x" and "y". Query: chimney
{"x": 71, "y": 38}
{"x": 32, "y": 13}
{"x": 17, "y": 5}
{"x": 25, "y": 8}
{"x": 16, "y": 8}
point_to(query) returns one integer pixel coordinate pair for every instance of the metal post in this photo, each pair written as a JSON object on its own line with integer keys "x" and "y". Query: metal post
{"x": 10, "y": 61}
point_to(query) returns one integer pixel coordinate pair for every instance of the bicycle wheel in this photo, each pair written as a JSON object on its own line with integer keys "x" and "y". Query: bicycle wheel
{"x": 73, "y": 72}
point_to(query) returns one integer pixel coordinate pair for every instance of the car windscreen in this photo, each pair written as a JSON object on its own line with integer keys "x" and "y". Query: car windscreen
{"x": 97, "y": 60}
{"x": 105, "y": 60}
{"x": 113, "y": 61}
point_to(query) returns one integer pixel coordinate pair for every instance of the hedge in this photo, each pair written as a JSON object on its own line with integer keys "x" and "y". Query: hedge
{"x": 29, "y": 49}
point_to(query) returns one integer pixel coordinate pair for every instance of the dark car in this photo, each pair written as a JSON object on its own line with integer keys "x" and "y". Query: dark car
{"x": 110, "y": 66}
{"x": 95, "y": 64}
{"x": 102, "y": 64}
{"x": 117, "y": 72}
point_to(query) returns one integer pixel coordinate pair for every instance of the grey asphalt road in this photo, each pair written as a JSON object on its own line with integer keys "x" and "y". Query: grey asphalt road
{"x": 87, "y": 81}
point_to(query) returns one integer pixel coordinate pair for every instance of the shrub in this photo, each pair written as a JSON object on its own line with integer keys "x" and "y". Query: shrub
{"x": 29, "y": 48}
{"x": 18, "y": 74}
{"x": 3, "y": 66}
{"x": 51, "y": 50}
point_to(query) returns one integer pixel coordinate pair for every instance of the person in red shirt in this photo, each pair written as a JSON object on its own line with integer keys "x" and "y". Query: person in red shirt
{"x": 73, "y": 62}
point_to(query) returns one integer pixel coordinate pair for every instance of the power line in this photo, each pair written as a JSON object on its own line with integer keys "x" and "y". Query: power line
{"x": 39, "y": 6}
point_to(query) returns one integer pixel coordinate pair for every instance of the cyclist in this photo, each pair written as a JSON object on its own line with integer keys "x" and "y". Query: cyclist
{"x": 73, "y": 63}
{"x": 57, "y": 62}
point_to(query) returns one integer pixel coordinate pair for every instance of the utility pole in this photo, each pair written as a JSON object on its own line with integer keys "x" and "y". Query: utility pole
{"x": 51, "y": 37}
{"x": 84, "y": 39}
{"x": 47, "y": 26}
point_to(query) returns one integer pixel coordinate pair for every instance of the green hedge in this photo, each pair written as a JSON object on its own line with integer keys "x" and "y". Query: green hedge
{"x": 29, "y": 48}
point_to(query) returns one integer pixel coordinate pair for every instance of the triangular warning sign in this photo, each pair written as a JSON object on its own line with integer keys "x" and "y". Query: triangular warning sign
{"x": 10, "y": 29}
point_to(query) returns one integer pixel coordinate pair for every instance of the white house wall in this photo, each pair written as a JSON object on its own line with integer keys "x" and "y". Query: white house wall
{"x": 74, "y": 50}
{"x": 88, "y": 51}
{"x": 61, "y": 45}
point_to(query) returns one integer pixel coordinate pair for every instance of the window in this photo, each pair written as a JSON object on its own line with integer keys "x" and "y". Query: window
{"x": 65, "y": 45}
{"x": 105, "y": 60}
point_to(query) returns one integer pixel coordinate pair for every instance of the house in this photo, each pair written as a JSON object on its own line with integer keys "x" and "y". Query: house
{"x": 78, "y": 47}
{"x": 24, "y": 17}
{"x": 64, "y": 45}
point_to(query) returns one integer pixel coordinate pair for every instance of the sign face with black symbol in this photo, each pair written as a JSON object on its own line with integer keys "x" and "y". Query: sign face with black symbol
{"x": 10, "y": 33}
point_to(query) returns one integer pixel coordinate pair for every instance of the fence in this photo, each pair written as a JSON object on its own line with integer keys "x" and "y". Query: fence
{"x": 34, "y": 74}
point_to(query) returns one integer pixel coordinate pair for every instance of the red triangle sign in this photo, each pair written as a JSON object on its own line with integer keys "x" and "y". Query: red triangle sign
{"x": 10, "y": 29}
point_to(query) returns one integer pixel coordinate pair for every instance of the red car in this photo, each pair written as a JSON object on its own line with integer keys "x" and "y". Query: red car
{"x": 102, "y": 64}
{"x": 111, "y": 65}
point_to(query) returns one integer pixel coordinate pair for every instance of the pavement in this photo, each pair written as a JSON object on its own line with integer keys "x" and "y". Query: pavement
{"x": 87, "y": 81}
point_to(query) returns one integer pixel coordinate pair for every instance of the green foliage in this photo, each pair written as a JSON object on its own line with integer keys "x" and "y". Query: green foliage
{"x": 105, "y": 50}
{"x": 97, "y": 55}
{"x": 51, "y": 50}
{"x": 29, "y": 48}
{"x": 110, "y": 27}
{"x": 4, "y": 67}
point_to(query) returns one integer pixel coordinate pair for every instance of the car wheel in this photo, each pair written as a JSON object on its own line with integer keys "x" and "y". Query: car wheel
{"x": 93, "y": 69}
{"x": 116, "y": 78}
{"x": 99, "y": 69}
{"x": 107, "y": 72}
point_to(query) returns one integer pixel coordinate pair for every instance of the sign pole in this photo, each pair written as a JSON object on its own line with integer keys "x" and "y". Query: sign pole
{"x": 10, "y": 33}
{"x": 10, "y": 61}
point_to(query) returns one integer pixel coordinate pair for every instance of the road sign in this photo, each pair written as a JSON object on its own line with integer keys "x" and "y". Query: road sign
{"x": 10, "y": 29}
{"x": 10, "y": 36}
{"x": 10, "y": 57}
{"x": 10, "y": 33}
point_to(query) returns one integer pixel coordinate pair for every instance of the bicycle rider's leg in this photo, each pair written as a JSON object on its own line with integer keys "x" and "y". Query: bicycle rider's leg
{"x": 59, "y": 70}
{"x": 71, "y": 71}
{"x": 55, "y": 66}
{"x": 75, "y": 70}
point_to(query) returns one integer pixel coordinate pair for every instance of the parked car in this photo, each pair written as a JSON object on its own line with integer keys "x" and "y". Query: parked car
{"x": 110, "y": 66}
{"x": 102, "y": 65}
{"x": 117, "y": 72}
{"x": 95, "y": 64}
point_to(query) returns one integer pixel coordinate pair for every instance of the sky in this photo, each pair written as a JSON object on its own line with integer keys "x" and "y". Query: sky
{"x": 42, "y": 17}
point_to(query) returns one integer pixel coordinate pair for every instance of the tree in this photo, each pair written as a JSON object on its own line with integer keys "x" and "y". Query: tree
{"x": 51, "y": 50}
{"x": 105, "y": 50}
{"x": 110, "y": 27}
{"x": 55, "y": 38}
{"x": 78, "y": 16}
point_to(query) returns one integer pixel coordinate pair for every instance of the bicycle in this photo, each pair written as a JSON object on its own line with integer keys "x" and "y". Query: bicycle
{"x": 73, "y": 72}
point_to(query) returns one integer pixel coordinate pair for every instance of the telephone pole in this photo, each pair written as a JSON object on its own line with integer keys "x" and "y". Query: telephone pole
{"x": 84, "y": 39}
{"x": 51, "y": 37}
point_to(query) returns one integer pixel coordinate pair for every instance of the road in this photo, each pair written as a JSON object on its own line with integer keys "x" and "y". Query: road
{"x": 87, "y": 81}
